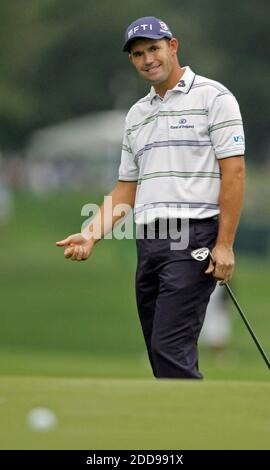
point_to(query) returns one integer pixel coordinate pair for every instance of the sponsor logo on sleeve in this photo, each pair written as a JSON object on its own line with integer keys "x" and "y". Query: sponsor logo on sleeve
{"x": 238, "y": 139}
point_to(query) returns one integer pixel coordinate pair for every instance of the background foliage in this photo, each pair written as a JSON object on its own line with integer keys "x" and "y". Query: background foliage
{"x": 61, "y": 58}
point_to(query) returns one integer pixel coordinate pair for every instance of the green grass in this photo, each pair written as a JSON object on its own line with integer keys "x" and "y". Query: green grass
{"x": 73, "y": 365}
{"x": 71, "y": 341}
{"x": 49, "y": 303}
{"x": 54, "y": 308}
{"x": 228, "y": 365}
{"x": 136, "y": 414}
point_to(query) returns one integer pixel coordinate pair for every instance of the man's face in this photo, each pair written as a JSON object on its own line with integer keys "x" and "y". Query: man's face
{"x": 154, "y": 59}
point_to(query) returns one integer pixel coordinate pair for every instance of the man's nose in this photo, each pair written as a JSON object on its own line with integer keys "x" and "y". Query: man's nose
{"x": 148, "y": 58}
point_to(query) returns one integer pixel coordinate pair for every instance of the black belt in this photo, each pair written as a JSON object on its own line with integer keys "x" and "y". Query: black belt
{"x": 206, "y": 219}
{"x": 157, "y": 222}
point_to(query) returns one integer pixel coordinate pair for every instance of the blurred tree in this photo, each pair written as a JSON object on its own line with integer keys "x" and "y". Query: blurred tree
{"x": 22, "y": 39}
{"x": 61, "y": 58}
{"x": 242, "y": 40}
{"x": 86, "y": 69}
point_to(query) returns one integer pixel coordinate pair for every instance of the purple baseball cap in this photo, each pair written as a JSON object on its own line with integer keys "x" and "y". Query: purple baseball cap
{"x": 146, "y": 27}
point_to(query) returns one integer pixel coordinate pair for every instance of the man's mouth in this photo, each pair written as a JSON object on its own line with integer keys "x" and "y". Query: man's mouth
{"x": 152, "y": 69}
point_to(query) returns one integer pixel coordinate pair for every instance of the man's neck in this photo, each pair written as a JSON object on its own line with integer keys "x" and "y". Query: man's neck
{"x": 161, "y": 88}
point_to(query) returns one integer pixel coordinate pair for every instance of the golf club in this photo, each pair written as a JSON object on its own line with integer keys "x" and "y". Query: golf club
{"x": 200, "y": 255}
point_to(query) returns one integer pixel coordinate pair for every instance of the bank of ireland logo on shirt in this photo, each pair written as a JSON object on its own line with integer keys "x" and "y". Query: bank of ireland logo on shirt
{"x": 182, "y": 123}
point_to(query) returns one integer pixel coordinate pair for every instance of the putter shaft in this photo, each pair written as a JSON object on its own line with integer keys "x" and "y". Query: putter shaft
{"x": 248, "y": 325}
{"x": 245, "y": 320}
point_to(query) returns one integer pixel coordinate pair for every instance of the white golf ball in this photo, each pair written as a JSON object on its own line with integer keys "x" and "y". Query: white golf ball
{"x": 41, "y": 419}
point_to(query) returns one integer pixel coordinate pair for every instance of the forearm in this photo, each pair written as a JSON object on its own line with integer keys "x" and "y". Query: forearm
{"x": 231, "y": 200}
{"x": 116, "y": 205}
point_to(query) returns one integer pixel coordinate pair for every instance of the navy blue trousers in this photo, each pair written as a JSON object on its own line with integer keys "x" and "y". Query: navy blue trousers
{"x": 172, "y": 293}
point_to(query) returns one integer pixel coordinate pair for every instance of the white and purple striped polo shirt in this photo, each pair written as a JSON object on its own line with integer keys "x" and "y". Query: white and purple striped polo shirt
{"x": 171, "y": 147}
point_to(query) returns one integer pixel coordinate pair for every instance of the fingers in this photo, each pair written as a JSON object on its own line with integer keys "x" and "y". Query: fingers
{"x": 76, "y": 253}
{"x": 225, "y": 279}
{"x": 221, "y": 265}
{"x": 76, "y": 247}
{"x": 80, "y": 253}
{"x": 64, "y": 242}
{"x": 210, "y": 268}
{"x": 223, "y": 273}
{"x": 69, "y": 252}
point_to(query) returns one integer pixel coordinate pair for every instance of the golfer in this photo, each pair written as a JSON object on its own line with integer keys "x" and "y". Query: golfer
{"x": 182, "y": 158}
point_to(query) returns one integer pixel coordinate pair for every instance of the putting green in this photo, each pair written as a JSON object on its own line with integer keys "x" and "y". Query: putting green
{"x": 136, "y": 414}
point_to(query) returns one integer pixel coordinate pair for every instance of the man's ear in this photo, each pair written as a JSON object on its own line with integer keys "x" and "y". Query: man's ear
{"x": 130, "y": 57}
{"x": 174, "y": 45}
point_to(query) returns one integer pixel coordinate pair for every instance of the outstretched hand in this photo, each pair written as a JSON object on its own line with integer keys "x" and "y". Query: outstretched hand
{"x": 77, "y": 248}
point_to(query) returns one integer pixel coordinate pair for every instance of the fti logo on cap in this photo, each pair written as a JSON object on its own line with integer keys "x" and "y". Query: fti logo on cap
{"x": 146, "y": 27}
{"x": 138, "y": 28}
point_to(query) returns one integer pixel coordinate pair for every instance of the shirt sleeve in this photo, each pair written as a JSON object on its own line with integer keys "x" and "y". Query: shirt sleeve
{"x": 128, "y": 170}
{"x": 225, "y": 126}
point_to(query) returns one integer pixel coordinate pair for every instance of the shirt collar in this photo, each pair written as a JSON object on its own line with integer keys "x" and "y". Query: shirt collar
{"x": 184, "y": 84}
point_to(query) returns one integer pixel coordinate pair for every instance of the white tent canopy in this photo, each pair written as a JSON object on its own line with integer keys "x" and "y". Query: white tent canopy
{"x": 97, "y": 133}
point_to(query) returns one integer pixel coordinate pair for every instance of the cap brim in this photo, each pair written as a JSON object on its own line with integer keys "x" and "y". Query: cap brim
{"x": 148, "y": 36}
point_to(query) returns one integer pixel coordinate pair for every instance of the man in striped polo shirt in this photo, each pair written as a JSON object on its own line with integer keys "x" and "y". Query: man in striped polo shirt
{"x": 182, "y": 158}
